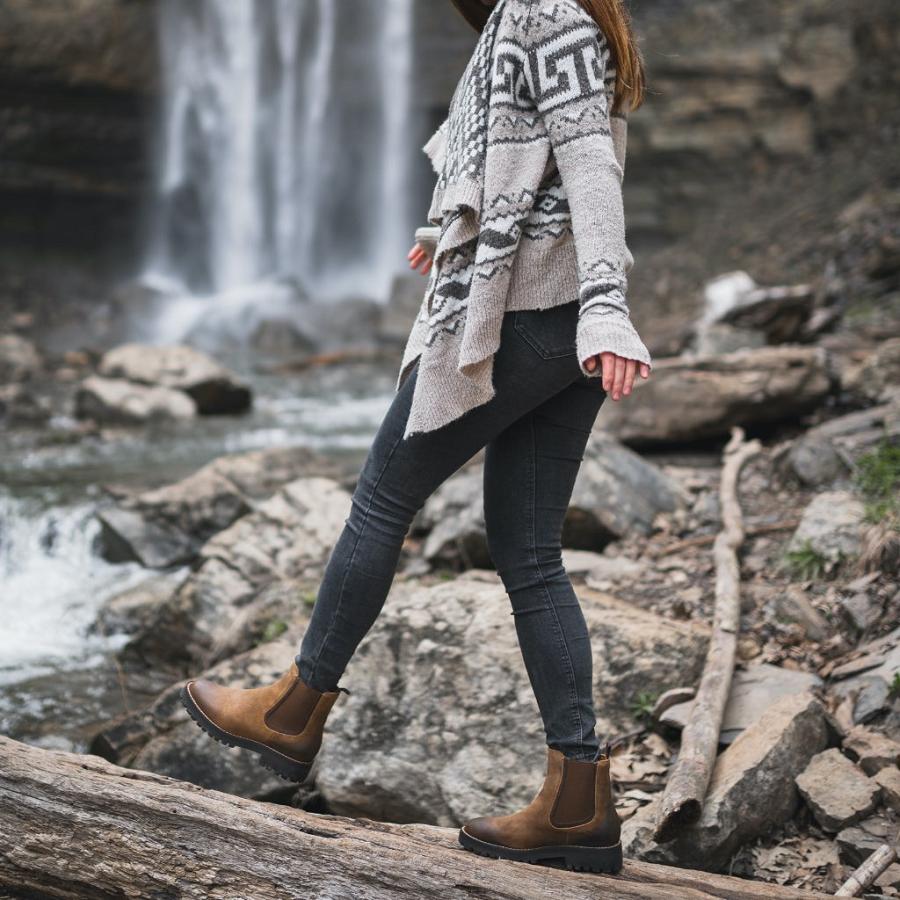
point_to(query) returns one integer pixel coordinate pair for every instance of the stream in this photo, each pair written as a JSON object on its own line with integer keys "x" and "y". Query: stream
{"x": 58, "y": 680}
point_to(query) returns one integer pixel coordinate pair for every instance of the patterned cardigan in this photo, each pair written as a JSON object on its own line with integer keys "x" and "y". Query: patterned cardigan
{"x": 528, "y": 201}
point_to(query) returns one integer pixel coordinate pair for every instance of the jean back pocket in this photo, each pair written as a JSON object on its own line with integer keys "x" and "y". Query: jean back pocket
{"x": 550, "y": 332}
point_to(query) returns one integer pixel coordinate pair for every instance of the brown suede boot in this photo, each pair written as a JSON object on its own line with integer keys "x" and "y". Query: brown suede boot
{"x": 282, "y": 722}
{"x": 572, "y": 818}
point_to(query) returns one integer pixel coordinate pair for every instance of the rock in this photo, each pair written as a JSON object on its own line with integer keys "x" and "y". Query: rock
{"x": 861, "y": 611}
{"x": 113, "y": 400}
{"x": 831, "y": 527}
{"x": 753, "y": 691}
{"x": 454, "y": 513}
{"x": 837, "y": 792}
{"x": 888, "y": 779}
{"x": 714, "y": 340}
{"x": 778, "y": 313}
{"x": 613, "y": 570}
{"x": 794, "y": 606}
{"x": 168, "y": 526}
{"x": 689, "y": 398}
{"x": 135, "y": 609}
{"x": 212, "y": 387}
{"x": 163, "y": 739}
{"x": 868, "y": 678}
{"x": 288, "y": 537}
{"x": 858, "y": 842}
{"x": 820, "y": 58}
{"x": 20, "y": 405}
{"x": 616, "y": 493}
{"x": 875, "y": 378}
{"x": 821, "y": 455}
{"x": 441, "y": 704}
{"x": 871, "y": 750}
{"x": 751, "y": 790}
{"x": 19, "y": 358}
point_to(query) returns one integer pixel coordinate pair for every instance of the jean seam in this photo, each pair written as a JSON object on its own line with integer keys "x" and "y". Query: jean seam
{"x": 561, "y": 637}
{"x": 340, "y": 598}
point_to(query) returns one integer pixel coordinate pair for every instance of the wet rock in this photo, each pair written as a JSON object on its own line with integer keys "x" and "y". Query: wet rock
{"x": 287, "y": 537}
{"x": 162, "y": 738}
{"x": 837, "y": 792}
{"x": 888, "y": 779}
{"x": 211, "y": 386}
{"x": 116, "y": 401}
{"x": 872, "y": 750}
{"x": 751, "y": 791}
{"x": 20, "y": 405}
{"x": 831, "y": 526}
{"x": 753, "y": 691}
{"x": 19, "y": 358}
{"x": 168, "y": 526}
{"x": 616, "y": 493}
{"x": 134, "y": 610}
{"x": 694, "y": 398}
{"x": 442, "y": 705}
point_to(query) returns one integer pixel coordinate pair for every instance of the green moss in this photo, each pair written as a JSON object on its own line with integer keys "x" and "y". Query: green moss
{"x": 878, "y": 480}
{"x": 894, "y": 689}
{"x": 806, "y": 562}
{"x": 274, "y": 629}
{"x": 642, "y": 706}
{"x": 309, "y": 598}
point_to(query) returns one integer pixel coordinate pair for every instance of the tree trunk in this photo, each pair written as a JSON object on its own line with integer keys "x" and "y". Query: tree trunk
{"x": 78, "y": 826}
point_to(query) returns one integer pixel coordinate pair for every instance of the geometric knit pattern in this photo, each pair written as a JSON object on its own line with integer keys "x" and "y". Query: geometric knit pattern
{"x": 528, "y": 198}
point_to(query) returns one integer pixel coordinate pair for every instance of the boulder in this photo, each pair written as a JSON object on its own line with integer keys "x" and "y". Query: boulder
{"x": 831, "y": 527}
{"x": 168, "y": 526}
{"x": 794, "y": 606}
{"x": 441, "y": 723}
{"x": 871, "y": 750}
{"x": 120, "y": 402}
{"x": 751, "y": 791}
{"x": 837, "y": 792}
{"x": 288, "y": 537}
{"x": 876, "y": 377}
{"x": 21, "y": 405}
{"x": 753, "y": 691}
{"x": 211, "y": 386}
{"x": 693, "y": 398}
{"x": 19, "y": 358}
{"x": 162, "y": 738}
{"x": 616, "y": 493}
{"x": 713, "y": 340}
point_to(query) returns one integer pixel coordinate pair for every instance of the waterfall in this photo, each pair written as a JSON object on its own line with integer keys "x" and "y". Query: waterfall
{"x": 284, "y": 148}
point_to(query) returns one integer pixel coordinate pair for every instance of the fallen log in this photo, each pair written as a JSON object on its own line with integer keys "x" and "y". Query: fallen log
{"x": 682, "y": 800}
{"x": 78, "y": 826}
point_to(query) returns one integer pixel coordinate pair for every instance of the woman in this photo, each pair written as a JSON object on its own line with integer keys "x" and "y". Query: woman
{"x": 523, "y": 331}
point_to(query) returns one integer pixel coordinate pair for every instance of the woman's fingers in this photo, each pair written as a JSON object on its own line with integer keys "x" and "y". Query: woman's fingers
{"x": 419, "y": 257}
{"x": 630, "y": 371}
{"x": 608, "y": 361}
{"x": 619, "y": 378}
{"x": 618, "y": 372}
{"x": 645, "y": 370}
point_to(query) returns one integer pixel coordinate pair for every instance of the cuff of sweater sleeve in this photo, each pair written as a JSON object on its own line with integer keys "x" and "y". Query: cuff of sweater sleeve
{"x": 608, "y": 333}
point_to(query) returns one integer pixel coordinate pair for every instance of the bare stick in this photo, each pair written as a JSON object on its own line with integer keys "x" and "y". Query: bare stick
{"x": 682, "y": 800}
{"x": 866, "y": 874}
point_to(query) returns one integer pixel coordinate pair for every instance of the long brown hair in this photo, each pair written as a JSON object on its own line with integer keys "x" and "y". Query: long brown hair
{"x": 614, "y": 21}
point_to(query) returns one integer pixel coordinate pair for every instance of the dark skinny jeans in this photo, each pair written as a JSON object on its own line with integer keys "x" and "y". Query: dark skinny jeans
{"x": 534, "y": 431}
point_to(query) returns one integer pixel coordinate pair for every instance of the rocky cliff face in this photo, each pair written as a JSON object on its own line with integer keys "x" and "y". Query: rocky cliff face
{"x": 763, "y": 118}
{"x": 75, "y": 79}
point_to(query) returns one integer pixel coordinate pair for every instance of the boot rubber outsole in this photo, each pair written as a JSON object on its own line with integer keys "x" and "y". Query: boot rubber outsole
{"x": 581, "y": 859}
{"x": 281, "y": 765}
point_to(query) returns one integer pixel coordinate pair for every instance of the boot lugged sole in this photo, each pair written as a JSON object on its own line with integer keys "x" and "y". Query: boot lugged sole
{"x": 584, "y": 859}
{"x": 284, "y": 766}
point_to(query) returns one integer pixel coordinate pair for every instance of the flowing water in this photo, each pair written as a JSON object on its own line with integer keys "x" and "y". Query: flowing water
{"x": 283, "y": 144}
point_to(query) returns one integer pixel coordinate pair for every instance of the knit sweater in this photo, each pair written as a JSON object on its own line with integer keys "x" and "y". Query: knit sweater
{"x": 528, "y": 199}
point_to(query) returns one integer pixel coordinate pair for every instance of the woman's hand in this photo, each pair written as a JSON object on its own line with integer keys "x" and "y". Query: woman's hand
{"x": 419, "y": 258}
{"x": 618, "y": 372}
